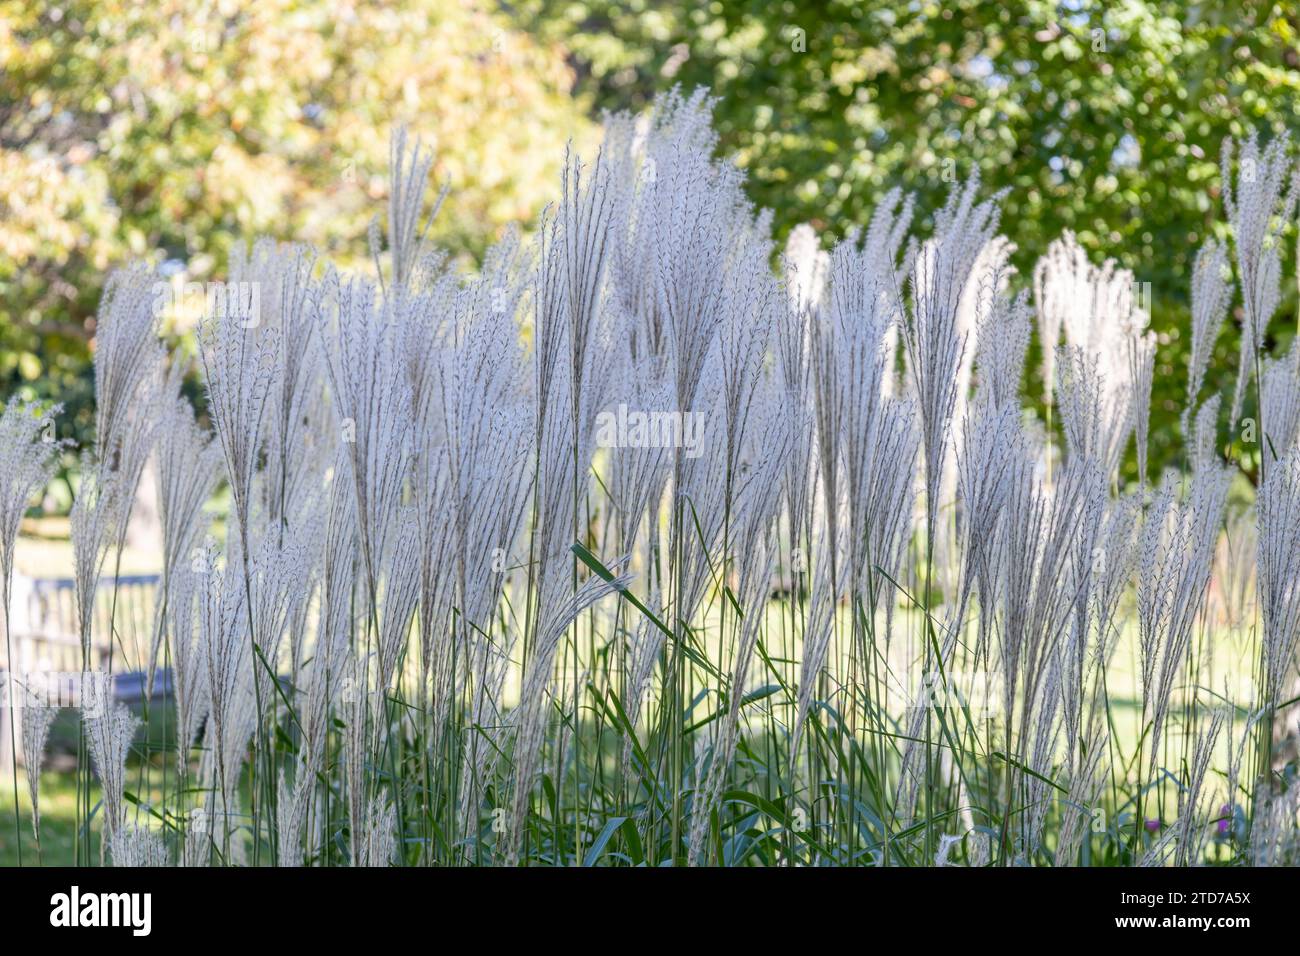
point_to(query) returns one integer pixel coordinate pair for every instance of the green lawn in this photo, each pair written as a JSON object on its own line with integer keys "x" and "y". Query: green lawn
{"x": 58, "y": 822}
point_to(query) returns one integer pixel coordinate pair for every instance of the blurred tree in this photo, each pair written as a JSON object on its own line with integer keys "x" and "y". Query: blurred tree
{"x": 172, "y": 129}
{"x": 1104, "y": 118}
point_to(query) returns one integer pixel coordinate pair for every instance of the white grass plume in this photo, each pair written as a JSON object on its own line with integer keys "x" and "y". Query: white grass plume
{"x": 1211, "y": 299}
{"x": 109, "y": 734}
{"x": 1279, "y": 570}
{"x": 1257, "y": 206}
{"x": 37, "y": 717}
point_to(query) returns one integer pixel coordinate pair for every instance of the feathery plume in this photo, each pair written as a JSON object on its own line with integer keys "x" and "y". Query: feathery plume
{"x": 37, "y": 717}
{"x": 240, "y": 365}
{"x": 1142, "y": 363}
{"x": 137, "y": 846}
{"x": 94, "y": 515}
{"x": 1257, "y": 207}
{"x": 28, "y": 457}
{"x": 126, "y": 353}
{"x": 1211, "y": 299}
{"x": 110, "y": 733}
{"x": 934, "y": 343}
{"x": 1279, "y": 570}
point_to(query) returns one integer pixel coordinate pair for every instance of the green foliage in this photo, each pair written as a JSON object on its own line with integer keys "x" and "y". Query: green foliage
{"x": 1104, "y": 118}
{"x": 171, "y": 130}
{"x": 167, "y": 130}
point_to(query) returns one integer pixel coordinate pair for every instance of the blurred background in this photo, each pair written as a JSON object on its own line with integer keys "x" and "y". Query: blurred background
{"x": 171, "y": 130}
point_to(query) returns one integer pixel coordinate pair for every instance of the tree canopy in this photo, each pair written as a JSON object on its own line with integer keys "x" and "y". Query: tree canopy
{"x": 171, "y": 130}
{"x": 1103, "y": 118}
